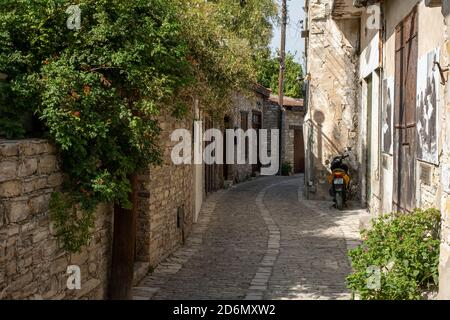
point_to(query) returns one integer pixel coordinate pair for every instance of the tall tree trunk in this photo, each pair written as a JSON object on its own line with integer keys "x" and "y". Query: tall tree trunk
{"x": 124, "y": 244}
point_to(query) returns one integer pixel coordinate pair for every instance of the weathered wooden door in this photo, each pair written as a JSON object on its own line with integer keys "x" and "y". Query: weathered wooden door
{"x": 369, "y": 101}
{"x": 299, "y": 151}
{"x": 405, "y": 113}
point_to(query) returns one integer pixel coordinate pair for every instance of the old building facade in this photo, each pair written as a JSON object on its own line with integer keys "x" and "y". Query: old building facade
{"x": 292, "y": 141}
{"x": 400, "y": 89}
{"x": 331, "y": 122}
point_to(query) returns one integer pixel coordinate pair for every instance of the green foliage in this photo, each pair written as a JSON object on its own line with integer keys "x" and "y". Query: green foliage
{"x": 72, "y": 224}
{"x": 224, "y": 39}
{"x": 97, "y": 90}
{"x": 268, "y": 74}
{"x": 286, "y": 169}
{"x": 405, "y": 248}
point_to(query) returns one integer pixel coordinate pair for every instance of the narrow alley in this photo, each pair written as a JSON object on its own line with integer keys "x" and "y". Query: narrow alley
{"x": 260, "y": 240}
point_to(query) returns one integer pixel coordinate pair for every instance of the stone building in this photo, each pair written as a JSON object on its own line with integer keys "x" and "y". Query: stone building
{"x": 331, "y": 121}
{"x": 262, "y": 111}
{"x": 247, "y": 112}
{"x": 397, "y": 53}
{"x": 293, "y": 145}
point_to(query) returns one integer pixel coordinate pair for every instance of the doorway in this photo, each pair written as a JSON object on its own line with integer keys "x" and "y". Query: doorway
{"x": 299, "y": 151}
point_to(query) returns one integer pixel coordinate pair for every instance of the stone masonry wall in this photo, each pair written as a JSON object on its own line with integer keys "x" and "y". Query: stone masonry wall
{"x": 32, "y": 263}
{"x": 332, "y": 119}
{"x": 166, "y": 200}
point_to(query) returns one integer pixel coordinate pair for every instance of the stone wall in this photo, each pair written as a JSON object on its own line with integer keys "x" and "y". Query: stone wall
{"x": 332, "y": 118}
{"x": 166, "y": 200}
{"x": 32, "y": 263}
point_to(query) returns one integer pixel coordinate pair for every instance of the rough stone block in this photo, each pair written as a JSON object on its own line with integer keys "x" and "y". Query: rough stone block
{"x": 18, "y": 211}
{"x": 40, "y": 235}
{"x": 59, "y": 265}
{"x": 9, "y": 149}
{"x": 79, "y": 258}
{"x": 40, "y": 203}
{"x": 7, "y": 170}
{"x": 34, "y": 184}
{"x": 33, "y": 147}
{"x": 27, "y": 167}
{"x": 10, "y": 188}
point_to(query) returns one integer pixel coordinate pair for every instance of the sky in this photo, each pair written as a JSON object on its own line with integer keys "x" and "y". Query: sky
{"x": 294, "y": 41}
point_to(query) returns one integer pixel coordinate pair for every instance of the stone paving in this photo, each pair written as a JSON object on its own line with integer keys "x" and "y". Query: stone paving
{"x": 260, "y": 240}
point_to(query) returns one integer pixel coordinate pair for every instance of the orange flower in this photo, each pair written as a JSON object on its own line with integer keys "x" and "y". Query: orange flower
{"x": 76, "y": 114}
{"x": 86, "y": 90}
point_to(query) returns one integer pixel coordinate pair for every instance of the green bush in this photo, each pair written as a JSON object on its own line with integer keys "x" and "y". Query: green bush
{"x": 401, "y": 254}
{"x": 286, "y": 169}
{"x": 98, "y": 91}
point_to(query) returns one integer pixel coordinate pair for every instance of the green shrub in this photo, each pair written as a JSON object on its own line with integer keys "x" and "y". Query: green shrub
{"x": 286, "y": 169}
{"x": 401, "y": 254}
{"x": 98, "y": 91}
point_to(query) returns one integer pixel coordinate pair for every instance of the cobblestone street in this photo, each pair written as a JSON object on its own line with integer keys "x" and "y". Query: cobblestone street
{"x": 260, "y": 240}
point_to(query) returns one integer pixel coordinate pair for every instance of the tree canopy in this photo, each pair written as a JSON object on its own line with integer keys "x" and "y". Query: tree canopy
{"x": 268, "y": 74}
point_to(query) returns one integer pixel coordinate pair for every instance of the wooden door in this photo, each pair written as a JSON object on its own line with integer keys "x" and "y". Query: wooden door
{"x": 369, "y": 83}
{"x": 405, "y": 113}
{"x": 299, "y": 151}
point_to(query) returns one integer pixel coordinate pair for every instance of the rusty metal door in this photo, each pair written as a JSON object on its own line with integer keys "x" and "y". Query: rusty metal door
{"x": 405, "y": 113}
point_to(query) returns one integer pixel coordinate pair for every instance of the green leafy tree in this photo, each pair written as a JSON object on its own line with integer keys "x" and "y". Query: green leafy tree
{"x": 269, "y": 70}
{"x": 224, "y": 40}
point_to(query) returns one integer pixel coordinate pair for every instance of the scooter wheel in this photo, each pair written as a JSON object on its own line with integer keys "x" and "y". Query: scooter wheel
{"x": 339, "y": 201}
